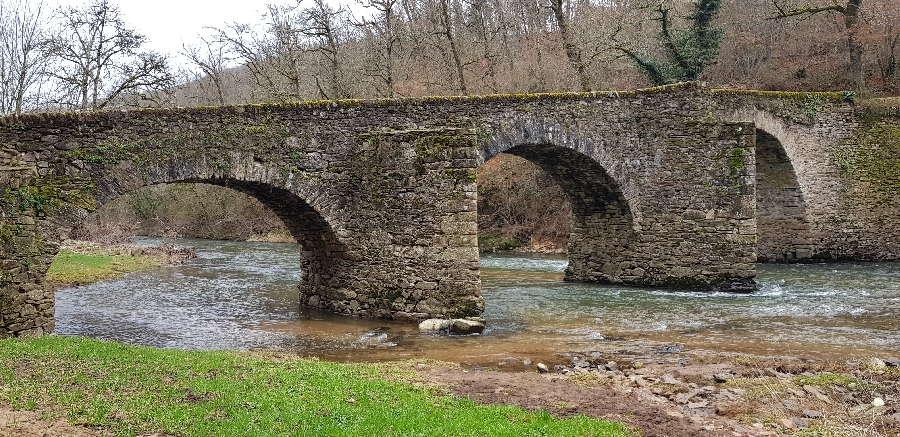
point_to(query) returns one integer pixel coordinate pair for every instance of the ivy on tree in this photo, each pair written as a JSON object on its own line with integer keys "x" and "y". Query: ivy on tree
{"x": 688, "y": 51}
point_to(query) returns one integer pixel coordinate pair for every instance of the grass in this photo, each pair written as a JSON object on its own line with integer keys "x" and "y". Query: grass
{"x": 131, "y": 390}
{"x": 78, "y": 268}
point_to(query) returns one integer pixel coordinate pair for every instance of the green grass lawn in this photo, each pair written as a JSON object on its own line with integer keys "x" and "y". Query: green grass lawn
{"x": 77, "y": 268}
{"x": 133, "y": 390}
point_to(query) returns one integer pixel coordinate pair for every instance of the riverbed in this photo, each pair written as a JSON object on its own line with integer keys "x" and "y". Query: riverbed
{"x": 243, "y": 296}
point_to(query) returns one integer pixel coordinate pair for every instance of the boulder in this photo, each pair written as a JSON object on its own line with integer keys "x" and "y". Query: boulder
{"x": 434, "y": 325}
{"x": 466, "y": 326}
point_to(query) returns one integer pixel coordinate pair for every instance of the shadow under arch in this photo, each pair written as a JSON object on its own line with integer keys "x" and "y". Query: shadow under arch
{"x": 782, "y": 224}
{"x": 603, "y": 225}
{"x": 321, "y": 258}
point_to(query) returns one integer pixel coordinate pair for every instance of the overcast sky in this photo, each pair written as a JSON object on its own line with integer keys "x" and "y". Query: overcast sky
{"x": 167, "y": 23}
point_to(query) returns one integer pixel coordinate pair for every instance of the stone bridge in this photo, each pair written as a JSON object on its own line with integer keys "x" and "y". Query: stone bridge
{"x": 679, "y": 187}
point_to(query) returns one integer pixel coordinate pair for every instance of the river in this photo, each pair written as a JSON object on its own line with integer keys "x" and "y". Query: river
{"x": 243, "y": 296}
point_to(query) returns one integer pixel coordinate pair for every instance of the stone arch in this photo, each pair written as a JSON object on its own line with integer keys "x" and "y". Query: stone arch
{"x": 309, "y": 216}
{"x": 781, "y": 216}
{"x": 603, "y": 226}
{"x": 783, "y": 222}
{"x": 599, "y": 247}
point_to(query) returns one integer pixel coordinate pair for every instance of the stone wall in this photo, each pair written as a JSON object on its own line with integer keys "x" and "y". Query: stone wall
{"x": 382, "y": 194}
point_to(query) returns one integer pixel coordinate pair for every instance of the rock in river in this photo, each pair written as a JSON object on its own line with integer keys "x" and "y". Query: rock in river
{"x": 434, "y": 325}
{"x": 453, "y": 326}
{"x": 465, "y": 326}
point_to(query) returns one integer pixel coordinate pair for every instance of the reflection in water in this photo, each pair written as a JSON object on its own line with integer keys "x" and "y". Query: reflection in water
{"x": 243, "y": 296}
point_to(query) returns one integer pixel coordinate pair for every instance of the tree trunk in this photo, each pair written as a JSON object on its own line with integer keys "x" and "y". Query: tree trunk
{"x": 445, "y": 17}
{"x": 851, "y": 19}
{"x": 572, "y": 51}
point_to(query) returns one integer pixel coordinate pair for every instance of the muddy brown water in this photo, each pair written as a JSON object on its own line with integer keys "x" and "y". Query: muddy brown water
{"x": 242, "y": 296}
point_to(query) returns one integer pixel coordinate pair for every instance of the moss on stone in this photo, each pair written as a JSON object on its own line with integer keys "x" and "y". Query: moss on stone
{"x": 875, "y": 160}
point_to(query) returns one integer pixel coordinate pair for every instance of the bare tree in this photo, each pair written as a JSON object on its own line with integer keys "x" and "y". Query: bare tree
{"x": 323, "y": 24}
{"x": 573, "y": 52}
{"x": 483, "y": 28}
{"x": 212, "y": 59}
{"x": 277, "y": 56}
{"x": 383, "y": 36}
{"x": 448, "y": 33}
{"x": 850, "y": 13}
{"x": 23, "y": 62}
{"x": 100, "y": 58}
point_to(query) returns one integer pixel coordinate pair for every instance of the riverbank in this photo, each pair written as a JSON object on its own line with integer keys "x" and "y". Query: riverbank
{"x": 82, "y": 387}
{"x": 85, "y": 262}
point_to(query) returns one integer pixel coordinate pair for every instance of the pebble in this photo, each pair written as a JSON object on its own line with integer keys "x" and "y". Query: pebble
{"x": 669, "y": 349}
{"x": 878, "y": 402}
{"x": 786, "y": 423}
{"x": 669, "y": 379}
{"x": 612, "y": 366}
{"x": 812, "y": 414}
{"x": 722, "y": 377}
{"x": 683, "y": 398}
{"x": 859, "y": 410}
{"x": 543, "y": 368}
{"x": 878, "y": 411}
{"x": 527, "y": 362}
{"x": 875, "y": 364}
{"x": 800, "y": 422}
{"x": 816, "y": 393}
{"x": 578, "y": 362}
{"x": 796, "y": 393}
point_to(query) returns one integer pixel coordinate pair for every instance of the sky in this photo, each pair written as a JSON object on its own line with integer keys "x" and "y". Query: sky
{"x": 169, "y": 23}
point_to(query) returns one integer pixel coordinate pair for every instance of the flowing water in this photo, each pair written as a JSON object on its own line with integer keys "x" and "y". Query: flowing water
{"x": 243, "y": 296}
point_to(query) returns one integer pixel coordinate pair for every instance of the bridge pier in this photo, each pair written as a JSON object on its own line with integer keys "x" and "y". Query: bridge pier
{"x": 408, "y": 246}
